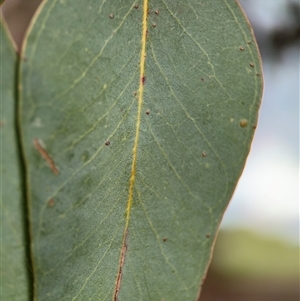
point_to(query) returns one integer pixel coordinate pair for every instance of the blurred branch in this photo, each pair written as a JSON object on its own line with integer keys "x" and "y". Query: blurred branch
{"x": 287, "y": 35}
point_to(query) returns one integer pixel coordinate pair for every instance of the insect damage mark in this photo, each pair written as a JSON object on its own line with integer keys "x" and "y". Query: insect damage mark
{"x": 45, "y": 155}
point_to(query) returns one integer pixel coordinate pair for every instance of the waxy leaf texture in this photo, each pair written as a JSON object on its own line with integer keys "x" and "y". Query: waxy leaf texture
{"x": 137, "y": 118}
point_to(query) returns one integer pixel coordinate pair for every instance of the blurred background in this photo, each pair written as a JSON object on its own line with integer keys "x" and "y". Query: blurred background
{"x": 256, "y": 256}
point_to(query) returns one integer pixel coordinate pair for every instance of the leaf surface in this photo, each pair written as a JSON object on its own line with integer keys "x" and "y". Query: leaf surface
{"x": 14, "y": 275}
{"x": 137, "y": 121}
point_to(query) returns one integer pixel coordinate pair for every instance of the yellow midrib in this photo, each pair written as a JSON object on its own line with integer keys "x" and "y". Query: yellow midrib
{"x": 135, "y": 146}
{"x": 140, "y": 102}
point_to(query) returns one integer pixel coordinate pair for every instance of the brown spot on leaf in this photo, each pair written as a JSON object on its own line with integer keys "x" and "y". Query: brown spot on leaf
{"x": 111, "y": 16}
{"x": 51, "y": 203}
{"x": 251, "y": 65}
{"x": 243, "y": 123}
{"x": 136, "y": 6}
{"x": 157, "y": 12}
{"x": 154, "y": 25}
{"x": 107, "y": 143}
{"x": 207, "y": 235}
{"x": 148, "y": 112}
{"x": 165, "y": 239}
{"x": 242, "y": 48}
{"x": 203, "y": 154}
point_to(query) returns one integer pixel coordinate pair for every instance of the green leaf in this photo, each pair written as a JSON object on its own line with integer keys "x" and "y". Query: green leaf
{"x": 14, "y": 276}
{"x": 137, "y": 119}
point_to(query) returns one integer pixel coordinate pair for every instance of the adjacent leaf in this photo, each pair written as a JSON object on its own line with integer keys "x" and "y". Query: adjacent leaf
{"x": 14, "y": 276}
{"x": 137, "y": 121}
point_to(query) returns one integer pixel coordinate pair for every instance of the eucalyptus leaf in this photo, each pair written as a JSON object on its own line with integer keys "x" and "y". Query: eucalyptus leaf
{"x": 15, "y": 281}
{"x": 137, "y": 118}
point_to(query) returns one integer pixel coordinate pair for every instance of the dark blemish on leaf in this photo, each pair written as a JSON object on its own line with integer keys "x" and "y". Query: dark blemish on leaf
{"x": 249, "y": 42}
{"x": 165, "y": 239}
{"x": 202, "y": 79}
{"x": 243, "y": 123}
{"x": 254, "y": 126}
{"x": 143, "y": 80}
{"x": 51, "y": 203}
{"x": 154, "y": 25}
{"x": 242, "y": 48}
{"x": 203, "y": 154}
{"x": 136, "y": 6}
{"x": 251, "y": 65}
{"x": 257, "y": 74}
{"x": 111, "y": 16}
{"x": 107, "y": 143}
{"x": 148, "y": 11}
{"x": 45, "y": 155}
{"x": 157, "y": 12}
{"x": 148, "y": 112}
{"x": 135, "y": 93}
{"x": 207, "y": 235}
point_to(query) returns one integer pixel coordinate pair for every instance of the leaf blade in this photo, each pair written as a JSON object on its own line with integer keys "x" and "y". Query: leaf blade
{"x": 185, "y": 172}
